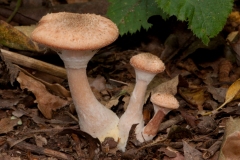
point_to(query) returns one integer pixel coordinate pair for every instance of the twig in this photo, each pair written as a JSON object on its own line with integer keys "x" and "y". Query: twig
{"x": 113, "y": 80}
{"x": 70, "y": 115}
{"x": 19, "y": 2}
{"x": 40, "y": 150}
{"x": 33, "y": 63}
{"x": 213, "y": 149}
{"x": 53, "y": 129}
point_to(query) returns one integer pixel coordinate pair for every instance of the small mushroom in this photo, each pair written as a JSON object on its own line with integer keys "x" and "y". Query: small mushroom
{"x": 78, "y": 37}
{"x": 146, "y": 66}
{"x": 162, "y": 103}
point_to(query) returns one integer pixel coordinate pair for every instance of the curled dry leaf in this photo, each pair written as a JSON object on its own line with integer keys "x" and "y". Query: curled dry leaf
{"x": 55, "y": 88}
{"x": 46, "y": 101}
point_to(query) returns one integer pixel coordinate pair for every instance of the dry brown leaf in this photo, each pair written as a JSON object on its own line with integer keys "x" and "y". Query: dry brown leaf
{"x": 190, "y": 153}
{"x": 217, "y": 93}
{"x": 7, "y": 124}
{"x": 168, "y": 86}
{"x": 40, "y": 140}
{"x": 55, "y": 88}
{"x": 46, "y": 101}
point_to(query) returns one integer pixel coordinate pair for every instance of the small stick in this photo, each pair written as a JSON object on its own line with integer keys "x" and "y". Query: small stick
{"x": 213, "y": 149}
{"x": 40, "y": 150}
{"x": 19, "y": 2}
{"x": 33, "y": 63}
{"x": 113, "y": 80}
{"x": 53, "y": 129}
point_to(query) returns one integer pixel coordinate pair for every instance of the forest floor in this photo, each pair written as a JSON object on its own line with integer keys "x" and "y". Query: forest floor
{"x": 201, "y": 78}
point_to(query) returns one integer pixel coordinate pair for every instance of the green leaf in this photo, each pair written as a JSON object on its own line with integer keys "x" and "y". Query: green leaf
{"x": 131, "y": 15}
{"x": 206, "y": 17}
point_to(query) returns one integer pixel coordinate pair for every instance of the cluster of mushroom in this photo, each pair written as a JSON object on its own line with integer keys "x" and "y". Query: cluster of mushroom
{"x": 78, "y": 37}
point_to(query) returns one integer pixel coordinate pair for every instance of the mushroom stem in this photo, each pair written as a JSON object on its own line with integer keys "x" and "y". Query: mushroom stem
{"x": 94, "y": 118}
{"x": 151, "y": 129}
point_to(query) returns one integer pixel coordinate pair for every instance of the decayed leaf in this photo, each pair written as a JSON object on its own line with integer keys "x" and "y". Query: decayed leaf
{"x": 27, "y": 30}
{"x": 232, "y": 94}
{"x": 40, "y": 140}
{"x": 13, "y": 38}
{"x": 217, "y": 93}
{"x": 55, "y": 88}
{"x": 46, "y": 101}
{"x": 194, "y": 96}
{"x": 191, "y": 153}
{"x": 7, "y": 124}
{"x": 168, "y": 86}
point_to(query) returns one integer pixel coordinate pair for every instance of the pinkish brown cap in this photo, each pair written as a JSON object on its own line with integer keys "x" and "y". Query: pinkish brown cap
{"x": 165, "y": 100}
{"x": 73, "y": 31}
{"x": 147, "y": 62}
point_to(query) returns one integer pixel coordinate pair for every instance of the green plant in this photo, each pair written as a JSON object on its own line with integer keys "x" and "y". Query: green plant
{"x": 205, "y": 18}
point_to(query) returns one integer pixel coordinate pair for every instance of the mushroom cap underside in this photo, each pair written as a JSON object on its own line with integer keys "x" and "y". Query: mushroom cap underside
{"x": 74, "y": 31}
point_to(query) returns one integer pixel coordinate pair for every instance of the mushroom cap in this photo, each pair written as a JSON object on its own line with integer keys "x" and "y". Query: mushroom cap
{"x": 74, "y": 31}
{"x": 147, "y": 62}
{"x": 165, "y": 100}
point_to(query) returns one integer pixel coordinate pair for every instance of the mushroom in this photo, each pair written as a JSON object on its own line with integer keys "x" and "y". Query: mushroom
{"x": 162, "y": 103}
{"x": 78, "y": 37}
{"x": 146, "y": 66}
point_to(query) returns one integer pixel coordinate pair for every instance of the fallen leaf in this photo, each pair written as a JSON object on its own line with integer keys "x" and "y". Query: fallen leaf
{"x": 168, "y": 86}
{"x": 40, "y": 140}
{"x": 46, "y": 101}
{"x": 196, "y": 97}
{"x": 13, "y": 38}
{"x": 190, "y": 153}
{"x": 232, "y": 94}
{"x": 231, "y": 140}
{"x": 217, "y": 93}
{"x": 230, "y": 149}
{"x": 7, "y": 124}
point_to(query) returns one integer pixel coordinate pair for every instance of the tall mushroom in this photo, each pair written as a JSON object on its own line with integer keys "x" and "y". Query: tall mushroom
{"x": 78, "y": 37}
{"x": 162, "y": 103}
{"x": 146, "y": 66}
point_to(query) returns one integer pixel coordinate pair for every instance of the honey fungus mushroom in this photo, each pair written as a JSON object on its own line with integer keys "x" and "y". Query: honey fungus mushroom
{"x": 162, "y": 104}
{"x": 146, "y": 66}
{"x": 78, "y": 37}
